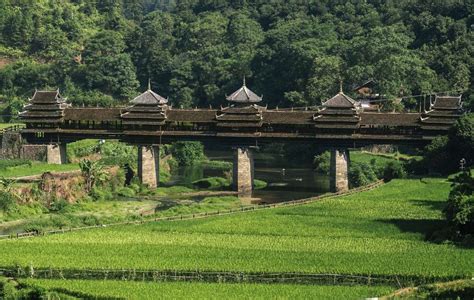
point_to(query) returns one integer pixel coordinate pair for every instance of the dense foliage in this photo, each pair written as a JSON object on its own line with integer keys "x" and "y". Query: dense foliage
{"x": 293, "y": 52}
{"x": 444, "y": 153}
{"x": 460, "y": 209}
{"x": 187, "y": 153}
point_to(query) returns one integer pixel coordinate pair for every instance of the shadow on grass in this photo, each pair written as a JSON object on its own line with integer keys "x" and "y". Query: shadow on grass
{"x": 422, "y": 226}
{"x": 431, "y": 204}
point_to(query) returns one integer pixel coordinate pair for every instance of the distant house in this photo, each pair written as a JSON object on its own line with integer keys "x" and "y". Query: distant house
{"x": 366, "y": 94}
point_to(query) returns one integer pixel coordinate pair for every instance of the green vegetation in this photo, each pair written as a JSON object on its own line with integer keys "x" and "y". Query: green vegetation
{"x": 103, "y": 52}
{"x": 366, "y": 167}
{"x": 36, "y": 168}
{"x": 381, "y": 231}
{"x": 459, "y": 289}
{"x": 187, "y": 153}
{"x": 212, "y": 183}
{"x": 444, "y": 153}
{"x": 180, "y": 290}
{"x": 6, "y": 125}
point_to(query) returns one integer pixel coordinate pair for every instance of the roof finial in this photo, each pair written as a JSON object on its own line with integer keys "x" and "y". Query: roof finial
{"x": 149, "y": 84}
{"x": 244, "y": 81}
{"x": 340, "y": 86}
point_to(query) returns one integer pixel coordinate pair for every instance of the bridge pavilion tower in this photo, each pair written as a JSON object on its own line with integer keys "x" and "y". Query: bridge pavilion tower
{"x": 342, "y": 113}
{"x": 45, "y": 111}
{"x": 242, "y": 114}
{"x": 147, "y": 110}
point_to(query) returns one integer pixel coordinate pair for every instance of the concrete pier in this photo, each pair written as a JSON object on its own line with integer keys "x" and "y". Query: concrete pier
{"x": 339, "y": 170}
{"x": 149, "y": 165}
{"x": 243, "y": 172}
{"x": 56, "y": 154}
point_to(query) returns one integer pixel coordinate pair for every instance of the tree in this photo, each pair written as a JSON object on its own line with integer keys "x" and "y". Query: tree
{"x": 93, "y": 173}
{"x": 108, "y": 68}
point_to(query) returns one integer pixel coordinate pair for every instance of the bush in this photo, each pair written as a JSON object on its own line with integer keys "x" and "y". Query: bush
{"x": 7, "y": 289}
{"x": 212, "y": 183}
{"x": 459, "y": 211}
{"x": 126, "y": 192}
{"x": 361, "y": 174}
{"x": 259, "y": 184}
{"x": 322, "y": 162}
{"x": 7, "y": 201}
{"x": 59, "y": 205}
{"x": 187, "y": 153}
{"x": 101, "y": 194}
{"x": 394, "y": 169}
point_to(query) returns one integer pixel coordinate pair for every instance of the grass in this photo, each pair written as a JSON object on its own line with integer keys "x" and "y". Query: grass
{"x": 6, "y": 125}
{"x": 197, "y": 290}
{"x": 376, "y": 232}
{"x": 36, "y": 168}
{"x": 381, "y": 159}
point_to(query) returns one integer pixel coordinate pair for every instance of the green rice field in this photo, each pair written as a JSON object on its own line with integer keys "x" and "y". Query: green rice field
{"x": 183, "y": 290}
{"x": 378, "y": 232}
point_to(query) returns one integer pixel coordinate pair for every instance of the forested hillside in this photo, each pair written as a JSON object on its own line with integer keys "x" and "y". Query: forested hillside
{"x": 195, "y": 51}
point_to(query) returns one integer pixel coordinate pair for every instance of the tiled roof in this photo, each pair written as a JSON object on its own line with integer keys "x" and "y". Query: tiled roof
{"x": 244, "y": 95}
{"x": 447, "y": 102}
{"x": 341, "y": 101}
{"x": 149, "y": 98}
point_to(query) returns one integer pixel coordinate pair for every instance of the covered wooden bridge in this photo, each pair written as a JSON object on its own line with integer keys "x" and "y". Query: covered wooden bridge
{"x": 150, "y": 121}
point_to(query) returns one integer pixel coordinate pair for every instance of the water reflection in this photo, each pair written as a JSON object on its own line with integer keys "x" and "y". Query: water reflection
{"x": 286, "y": 181}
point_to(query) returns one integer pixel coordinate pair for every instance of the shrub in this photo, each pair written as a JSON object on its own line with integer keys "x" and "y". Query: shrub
{"x": 459, "y": 211}
{"x": 394, "y": 169}
{"x": 59, "y": 205}
{"x": 259, "y": 184}
{"x": 126, "y": 192}
{"x": 322, "y": 162}
{"x": 7, "y": 201}
{"x": 211, "y": 183}
{"x": 187, "y": 153}
{"x": 361, "y": 174}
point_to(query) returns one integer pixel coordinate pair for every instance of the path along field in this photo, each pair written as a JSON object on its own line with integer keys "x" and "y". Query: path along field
{"x": 376, "y": 232}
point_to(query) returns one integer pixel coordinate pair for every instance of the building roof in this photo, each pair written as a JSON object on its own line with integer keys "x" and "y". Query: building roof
{"x": 47, "y": 97}
{"x": 447, "y": 102}
{"x": 368, "y": 83}
{"x": 341, "y": 100}
{"x": 244, "y": 95}
{"x": 149, "y": 98}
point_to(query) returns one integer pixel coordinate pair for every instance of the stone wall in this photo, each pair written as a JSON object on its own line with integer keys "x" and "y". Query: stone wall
{"x": 11, "y": 145}
{"x": 56, "y": 154}
{"x": 34, "y": 152}
{"x": 149, "y": 165}
{"x": 339, "y": 170}
{"x": 243, "y": 174}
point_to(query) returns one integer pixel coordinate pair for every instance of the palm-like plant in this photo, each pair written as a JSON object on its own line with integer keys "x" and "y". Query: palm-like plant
{"x": 93, "y": 173}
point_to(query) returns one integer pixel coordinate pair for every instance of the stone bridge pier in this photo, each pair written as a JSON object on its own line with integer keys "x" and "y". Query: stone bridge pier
{"x": 149, "y": 165}
{"x": 56, "y": 154}
{"x": 243, "y": 171}
{"x": 339, "y": 170}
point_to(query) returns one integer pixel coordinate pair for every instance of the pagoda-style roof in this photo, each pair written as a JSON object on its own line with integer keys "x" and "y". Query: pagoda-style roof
{"x": 443, "y": 113}
{"x": 148, "y": 108}
{"x": 44, "y": 107}
{"x": 238, "y": 116}
{"x": 149, "y": 98}
{"x": 447, "y": 103}
{"x": 341, "y": 100}
{"x": 341, "y": 111}
{"x": 244, "y": 95}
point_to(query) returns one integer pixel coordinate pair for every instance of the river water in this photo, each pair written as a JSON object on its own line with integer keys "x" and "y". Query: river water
{"x": 286, "y": 180}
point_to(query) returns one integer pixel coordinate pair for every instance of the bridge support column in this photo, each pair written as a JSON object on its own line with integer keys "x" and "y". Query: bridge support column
{"x": 243, "y": 172}
{"x": 149, "y": 165}
{"x": 56, "y": 154}
{"x": 339, "y": 170}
